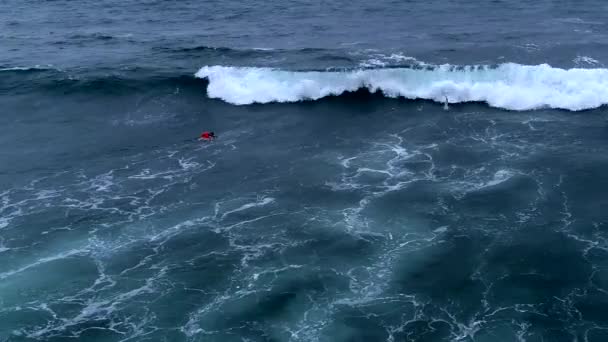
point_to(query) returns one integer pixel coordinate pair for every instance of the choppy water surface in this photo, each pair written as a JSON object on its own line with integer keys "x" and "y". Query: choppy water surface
{"x": 343, "y": 200}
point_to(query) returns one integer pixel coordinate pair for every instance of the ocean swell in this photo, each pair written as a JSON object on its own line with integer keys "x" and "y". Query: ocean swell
{"x": 508, "y": 86}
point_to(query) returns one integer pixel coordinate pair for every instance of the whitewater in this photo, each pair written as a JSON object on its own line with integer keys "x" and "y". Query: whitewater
{"x": 508, "y": 86}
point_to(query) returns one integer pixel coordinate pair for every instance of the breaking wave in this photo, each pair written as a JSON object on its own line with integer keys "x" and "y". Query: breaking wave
{"x": 508, "y": 86}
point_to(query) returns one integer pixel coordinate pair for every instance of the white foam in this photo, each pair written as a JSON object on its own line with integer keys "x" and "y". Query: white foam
{"x": 4, "y": 221}
{"x": 441, "y": 229}
{"x": 259, "y": 203}
{"x": 381, "y": 60}
{"x": 187, "y": 163}
{"x": 102, "y": 183}
{"x": 41, "y": 261}
{"x": 586, "y": 60}
{"x": 509, "y": 86}
{"x": 500, "y": 176}
{"x": 36, "y": 67}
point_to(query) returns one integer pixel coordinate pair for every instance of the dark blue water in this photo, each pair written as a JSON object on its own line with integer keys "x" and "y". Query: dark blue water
{"x": 384, "y": 171}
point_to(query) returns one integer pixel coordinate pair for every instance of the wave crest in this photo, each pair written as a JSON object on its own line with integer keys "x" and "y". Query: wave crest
{"x": 509, "y": 86}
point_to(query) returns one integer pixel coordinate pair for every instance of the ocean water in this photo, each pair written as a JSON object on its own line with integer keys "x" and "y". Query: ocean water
{"x": 384, "y": 171}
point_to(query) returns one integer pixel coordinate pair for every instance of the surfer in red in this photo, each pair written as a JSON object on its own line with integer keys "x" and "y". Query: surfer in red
{"x": 207, "y": 136}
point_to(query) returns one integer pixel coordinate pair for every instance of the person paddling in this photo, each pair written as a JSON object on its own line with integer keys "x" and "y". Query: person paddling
{"x": 207, "y": 136}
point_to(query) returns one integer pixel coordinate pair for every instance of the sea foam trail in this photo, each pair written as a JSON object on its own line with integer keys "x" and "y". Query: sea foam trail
{"x": 509, "y": 86}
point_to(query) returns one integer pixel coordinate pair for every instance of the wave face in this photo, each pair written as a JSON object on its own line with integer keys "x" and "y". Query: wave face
{"x": 508, "y": 86}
